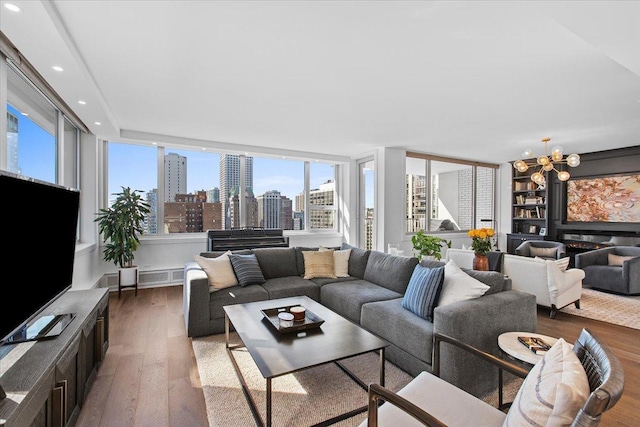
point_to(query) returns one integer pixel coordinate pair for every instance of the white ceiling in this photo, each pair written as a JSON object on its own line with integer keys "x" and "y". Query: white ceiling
{"x": 476, "y": 80}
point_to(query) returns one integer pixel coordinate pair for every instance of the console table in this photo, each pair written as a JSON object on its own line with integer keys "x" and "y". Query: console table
{"x": 47, "y": 381}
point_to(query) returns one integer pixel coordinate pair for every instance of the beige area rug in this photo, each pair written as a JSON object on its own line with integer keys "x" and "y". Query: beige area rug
{"x": 617, "y": 309}
{"x": 299, "y": 399}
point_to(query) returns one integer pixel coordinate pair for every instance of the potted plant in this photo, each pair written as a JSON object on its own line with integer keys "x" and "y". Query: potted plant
{"x": 428, "y": 246}
{"x": 120, "y": 225}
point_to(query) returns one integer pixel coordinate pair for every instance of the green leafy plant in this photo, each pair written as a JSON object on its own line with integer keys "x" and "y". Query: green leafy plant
{"x": 120, "y": 224}
{"x": 426, "y": 245}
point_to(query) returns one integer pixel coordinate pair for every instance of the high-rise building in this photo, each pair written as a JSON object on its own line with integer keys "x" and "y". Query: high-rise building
{"x": 233, "y": 203}
{"x": 151, "y": 220}
{"x": 213, "y": 195}
{"x": 175, "y": 176}
{"x": 191, "y": 213}
{"x": 230, "y": 179}
{"x": 286, "y": 213}
{"x": 269, "y": 209}
{"x": 298, "y": 220}
{"x": 12, "y": 144}
{"x": 416, "y": 197}
{"x": 323, "y": 196}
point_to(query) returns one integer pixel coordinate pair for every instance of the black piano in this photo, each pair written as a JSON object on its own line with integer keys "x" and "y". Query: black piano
{"x": 246, "y": 238}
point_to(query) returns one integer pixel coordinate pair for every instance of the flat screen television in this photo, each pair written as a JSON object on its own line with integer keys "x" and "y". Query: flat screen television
{"x": 42, "y": 220}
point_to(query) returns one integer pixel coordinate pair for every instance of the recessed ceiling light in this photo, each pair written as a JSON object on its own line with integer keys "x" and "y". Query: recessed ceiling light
{"x": 25, "y": 114}
{"x": 12, "y": 7}
{"x": 97, "y": 123}
{"x": 82, "y": 102}
{"x": 57, "y": 68}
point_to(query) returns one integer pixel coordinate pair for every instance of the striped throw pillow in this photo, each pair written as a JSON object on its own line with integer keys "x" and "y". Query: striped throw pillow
{"x": 247, "y": 269}
{"x": 423, "y": 291}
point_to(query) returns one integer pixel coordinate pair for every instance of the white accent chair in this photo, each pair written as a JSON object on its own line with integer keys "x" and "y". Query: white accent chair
{"x": 552, "y": 287}
{"x": 462, "y": 257}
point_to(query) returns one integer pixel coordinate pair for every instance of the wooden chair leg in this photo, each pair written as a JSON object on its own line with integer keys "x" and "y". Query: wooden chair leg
{"x": 577, "y": 303}
{"x": 553, "y": 312}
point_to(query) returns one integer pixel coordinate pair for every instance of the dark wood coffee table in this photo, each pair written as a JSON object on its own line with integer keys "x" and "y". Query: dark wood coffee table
{"x": 277, "y": 354}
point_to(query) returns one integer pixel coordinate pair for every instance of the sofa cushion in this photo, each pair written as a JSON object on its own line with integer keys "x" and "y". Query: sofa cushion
{"x": 247, "y": 269}
{"x": 618, "y": 259}
{"x": 291, "y": 286}
{"x": 235, "y": 295}
{"x": 543, "y": 252}
{"x": 276, "y": 262}
{"x": 219, "y": 270}
{"x": 459, "y": 286}
{"x": 216, "y": 254}
{"x": 493, "y": 279}
{"x": 340, "y": 261}
{"x": 553, "y": 391}
{"x": 423, "y": 291}
{"x": 391, "y": 271}
{"x": 357, "y": 260}
{"x": 347, "y": 298}
{"x": 392, "y": 322}
{"x": 300, "y": 258}
{"x": 321, "y": 281}
{"x": 318, "y": 264}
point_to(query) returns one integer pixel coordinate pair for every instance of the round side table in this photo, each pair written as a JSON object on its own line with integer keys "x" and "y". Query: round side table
{"x": 510, "y": 346}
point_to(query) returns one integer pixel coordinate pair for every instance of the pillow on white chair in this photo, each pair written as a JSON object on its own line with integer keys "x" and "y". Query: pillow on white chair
{"x": 553, "y": 392}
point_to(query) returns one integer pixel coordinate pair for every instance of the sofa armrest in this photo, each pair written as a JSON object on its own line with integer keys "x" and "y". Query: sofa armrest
{"x": 631, "y": 270}
{"x": 561, "y": 281}
{"x": 478, "y": 322}
{"x": 195, "y": 298}
{"x": 596, "y": 257}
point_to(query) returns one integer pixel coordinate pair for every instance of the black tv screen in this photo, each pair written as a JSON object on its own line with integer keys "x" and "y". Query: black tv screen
{"x": 42, "y": 220}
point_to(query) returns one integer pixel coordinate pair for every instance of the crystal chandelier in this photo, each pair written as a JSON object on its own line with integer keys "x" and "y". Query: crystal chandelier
{"x": 547, "y": 163}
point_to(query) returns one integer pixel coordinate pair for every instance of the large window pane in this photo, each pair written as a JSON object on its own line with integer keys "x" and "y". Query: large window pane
{"x": 322, "y": 208}
{"x": 416, "y": 194}
{"x": 485, "y": 178}
{"x": 31, "y": 129}
{"x": 276, "y": 185}
{"x": 191, "y": 191}
{"x": 451, "y": 196}
{"x": 135, "y": 166}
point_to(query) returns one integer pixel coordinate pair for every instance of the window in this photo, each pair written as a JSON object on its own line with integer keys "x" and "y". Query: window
{"x": 322, "y": 190}
{"x": 201, "y": 190}
{"x": 448, "y": 194}
{"x": 31, "y": 130}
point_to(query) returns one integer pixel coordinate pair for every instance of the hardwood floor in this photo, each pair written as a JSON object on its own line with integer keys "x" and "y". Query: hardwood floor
{"x": 149, "y": 376}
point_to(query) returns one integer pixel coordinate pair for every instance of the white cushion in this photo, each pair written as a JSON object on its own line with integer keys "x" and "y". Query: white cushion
{"x": 219, "y": 270}
{"x": 340, "y": 261}
{"x": 543, "y": 252}
{"x": 562, "y": 263}
{"x": 459, "y": 286}
{"x": 618, "y": 259}
{"x": 553, "y": 391}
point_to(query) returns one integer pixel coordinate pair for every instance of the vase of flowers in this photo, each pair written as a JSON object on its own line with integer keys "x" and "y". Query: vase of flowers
{"x": 481, "y": 245}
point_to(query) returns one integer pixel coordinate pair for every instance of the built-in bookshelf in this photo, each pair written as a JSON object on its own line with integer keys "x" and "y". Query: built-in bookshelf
{"x": 528, "y": 211}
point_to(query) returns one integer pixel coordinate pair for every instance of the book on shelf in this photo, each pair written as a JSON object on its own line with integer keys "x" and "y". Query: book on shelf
{"x": 535, "y": 344}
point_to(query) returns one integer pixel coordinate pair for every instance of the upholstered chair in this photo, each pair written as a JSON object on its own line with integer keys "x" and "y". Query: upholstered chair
{"x": 614, "y": 269}
{"x": 542, "y": 249}
{"x": 578, "y": 384}
{"x": 551, "y": 281}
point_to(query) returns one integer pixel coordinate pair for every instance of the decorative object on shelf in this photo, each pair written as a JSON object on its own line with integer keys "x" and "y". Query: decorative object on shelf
{"x": 547, "y": 163}
{"x": 120, "y": 224}
{"x": 426, "y": 246}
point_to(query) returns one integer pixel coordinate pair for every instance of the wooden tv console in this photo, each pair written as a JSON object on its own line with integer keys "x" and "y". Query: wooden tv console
{"x": 47, "y": 381}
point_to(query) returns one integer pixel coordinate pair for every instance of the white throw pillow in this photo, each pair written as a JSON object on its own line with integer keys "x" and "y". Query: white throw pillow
{"x": 562, "y": 263}
{"x": 219, "y": 270}
{"x": 340, "y": 261}
{"x": 459, "y": 286}
{"x": 553, "y": 391}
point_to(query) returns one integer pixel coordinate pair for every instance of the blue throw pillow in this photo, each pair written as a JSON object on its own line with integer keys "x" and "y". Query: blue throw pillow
{"x": 247, "y": 269}
{"x": 423, "y": 291}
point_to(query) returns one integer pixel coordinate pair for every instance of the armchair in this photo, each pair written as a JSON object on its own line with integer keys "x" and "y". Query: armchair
{"x": 542, "y": 249}
{"x": 428, "y": 400}
{"x": 552, "y": 287}
{"x": 620, "y": 275}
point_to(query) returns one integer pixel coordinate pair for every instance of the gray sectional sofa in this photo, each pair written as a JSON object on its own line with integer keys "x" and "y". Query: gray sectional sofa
{"x": 371, "y": 296}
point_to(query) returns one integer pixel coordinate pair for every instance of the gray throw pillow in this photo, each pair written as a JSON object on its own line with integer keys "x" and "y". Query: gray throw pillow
{"x": 247, "y": 269}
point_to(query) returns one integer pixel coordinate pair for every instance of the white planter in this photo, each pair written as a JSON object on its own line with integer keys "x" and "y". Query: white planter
{"x": 128, "y": 278}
